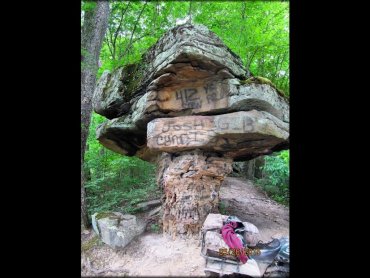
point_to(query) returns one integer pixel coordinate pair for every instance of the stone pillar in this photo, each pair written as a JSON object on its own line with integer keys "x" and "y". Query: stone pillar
{"x": 194, "y": 162}
{"x": 197, "y": 110}
{"x": 191, "y": 182}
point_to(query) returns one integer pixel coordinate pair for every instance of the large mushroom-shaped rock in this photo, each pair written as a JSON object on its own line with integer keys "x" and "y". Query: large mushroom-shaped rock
{"x": 191, "y": 106}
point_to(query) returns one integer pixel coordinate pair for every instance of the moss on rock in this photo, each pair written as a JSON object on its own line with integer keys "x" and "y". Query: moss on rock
{"x": 106, "y": 214}
{"x": 133, "y": 77}
{"x": 263, "y": 80}
{"x": 86, "y": 246}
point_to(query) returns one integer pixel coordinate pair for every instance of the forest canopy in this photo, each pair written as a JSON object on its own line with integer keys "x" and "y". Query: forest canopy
{"x": 257, "y": 31}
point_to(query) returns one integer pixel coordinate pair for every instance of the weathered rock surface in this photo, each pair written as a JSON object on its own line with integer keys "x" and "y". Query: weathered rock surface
{"x": 188, "y": 72}
{"x": 126, "y": 134}
{"x": 213, "y": 242}
{"x": 108, "y": 96}
{"x": 116, "y": 229}
{"x": 187, "y": 46}
{"x": 214, "y": 222}
{"x": 249, "y": 269}
{"x": 234, "y": 135}
{"x": 190, "y": 183}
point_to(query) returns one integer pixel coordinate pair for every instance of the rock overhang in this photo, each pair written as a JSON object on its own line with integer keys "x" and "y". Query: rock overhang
{"x": 182, "y": 77}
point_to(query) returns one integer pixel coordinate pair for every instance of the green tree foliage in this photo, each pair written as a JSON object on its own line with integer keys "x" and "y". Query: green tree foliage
{"x": 275, "y": 180}
{"x": 257, "y": 31}
{"x": 113, "y": 181}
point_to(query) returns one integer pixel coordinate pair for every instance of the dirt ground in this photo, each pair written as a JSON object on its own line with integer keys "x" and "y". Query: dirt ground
{"x": 153, "y": 254}
{"x": 251, "y": 204}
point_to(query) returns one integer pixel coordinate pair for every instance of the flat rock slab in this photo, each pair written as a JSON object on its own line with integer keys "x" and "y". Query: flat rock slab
{"x": 170, "y": 94}
{"x": 249, "y": 269}
{"x": 127, "y": 134}
{"x": 233, "y": 134}
{"x": 213, "y": 242}
{"x": 214, "y": 222}
{"x": 117, "y": 229}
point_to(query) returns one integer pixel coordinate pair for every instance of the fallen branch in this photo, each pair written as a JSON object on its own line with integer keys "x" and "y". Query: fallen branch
{"x": 149, "y": 204}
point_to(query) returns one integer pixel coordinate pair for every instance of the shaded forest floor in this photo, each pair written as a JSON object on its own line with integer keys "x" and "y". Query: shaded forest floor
{"x": 153, "y": 254}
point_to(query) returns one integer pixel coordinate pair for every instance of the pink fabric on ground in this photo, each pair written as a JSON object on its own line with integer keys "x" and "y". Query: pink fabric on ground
{"x": 232, "y": 240}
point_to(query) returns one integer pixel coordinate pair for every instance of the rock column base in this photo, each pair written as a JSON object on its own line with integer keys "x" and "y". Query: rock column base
{"x": 191, "y": 182}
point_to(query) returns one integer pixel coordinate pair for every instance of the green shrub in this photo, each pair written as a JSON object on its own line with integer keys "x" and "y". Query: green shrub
{"x": 275, "y": 177}
{"x": 115, "y": 182}
{"x": 222, "y": 207}
{"x": 155, "y": 228}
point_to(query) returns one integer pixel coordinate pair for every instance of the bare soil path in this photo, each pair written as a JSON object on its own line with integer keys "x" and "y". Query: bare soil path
{"x": 153, "y": 254}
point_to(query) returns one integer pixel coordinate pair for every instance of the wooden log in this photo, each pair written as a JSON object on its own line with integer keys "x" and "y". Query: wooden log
{"x": 147, "y": 205}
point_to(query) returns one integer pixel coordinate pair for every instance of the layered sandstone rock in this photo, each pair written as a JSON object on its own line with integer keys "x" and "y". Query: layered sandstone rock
{"x": 191, "y": 182}
{"x": 190, "y": 105}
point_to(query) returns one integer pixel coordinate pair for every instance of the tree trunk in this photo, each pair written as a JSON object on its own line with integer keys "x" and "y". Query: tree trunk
{"x": 93, "y": 31}
{"x": 260, "y": 161}
{"x": 84, "y": 218}
{"x": 249, "y": 169}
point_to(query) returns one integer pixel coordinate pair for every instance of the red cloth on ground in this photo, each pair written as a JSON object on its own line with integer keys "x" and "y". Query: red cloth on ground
{"x": 232, "y": 240}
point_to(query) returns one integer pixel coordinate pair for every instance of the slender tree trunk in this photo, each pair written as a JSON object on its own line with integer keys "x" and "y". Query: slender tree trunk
{"x": 93, "y": 31}
{"x": 249, "y": 169}
{"x": 84, "y": 218}
{"x": 128, "y": 47}
{"x": 259, "y": 162}
{"x": 190, "y": 12}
